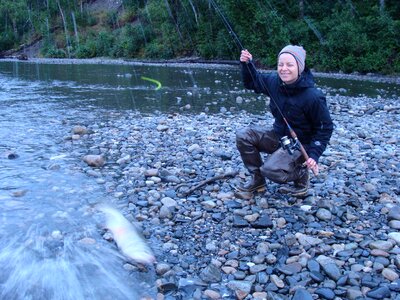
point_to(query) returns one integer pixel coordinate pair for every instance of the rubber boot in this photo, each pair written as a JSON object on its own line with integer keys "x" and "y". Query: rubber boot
{"x": 257, "y": 182}
{"x": 300, "y": 187}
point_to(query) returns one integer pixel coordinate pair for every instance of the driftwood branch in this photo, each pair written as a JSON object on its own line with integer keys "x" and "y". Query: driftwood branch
{"x": 389, "y": 109}
{"x": 209, "y": 180}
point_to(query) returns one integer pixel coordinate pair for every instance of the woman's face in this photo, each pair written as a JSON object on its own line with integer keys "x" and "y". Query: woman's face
{"x": 288, "y": 70}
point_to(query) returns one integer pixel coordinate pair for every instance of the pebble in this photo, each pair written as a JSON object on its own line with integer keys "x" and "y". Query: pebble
{"x": 340, "y": 242}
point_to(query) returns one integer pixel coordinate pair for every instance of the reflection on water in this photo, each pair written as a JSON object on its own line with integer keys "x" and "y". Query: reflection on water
{"x": 50, "y": 239}
{"x": 183, "y": 88}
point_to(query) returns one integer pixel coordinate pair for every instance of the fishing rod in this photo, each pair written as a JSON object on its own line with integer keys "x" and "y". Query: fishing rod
{"x": 227, "y": 25}
{"x": 285, "y": 143}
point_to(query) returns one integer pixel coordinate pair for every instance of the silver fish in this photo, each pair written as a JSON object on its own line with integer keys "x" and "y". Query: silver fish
{"x": 128, "y": 239}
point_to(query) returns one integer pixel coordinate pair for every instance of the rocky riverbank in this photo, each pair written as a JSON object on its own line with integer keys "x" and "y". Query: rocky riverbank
{"x": 341, "y": 241}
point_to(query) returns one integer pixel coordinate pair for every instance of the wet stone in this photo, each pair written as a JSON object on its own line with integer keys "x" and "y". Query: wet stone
{"x": 354, "y": 293}
{"x": 368, "y": 281}
{"x": 271, "y": 287}
{"x": 332, "y": 271}
{"x": 302, "y": 294}
{"x": 382, "y": 260}
{"x": 345, "y": 253}
{"x": 233, "y": 204}
{"x": 340, "y": 292}
{"x": 239, "y": 275}
{"x": 263, "y": 222}
{"x": 11, "y": 155}
{"x": 390, "y": 274}
{"x": 239, "y": 222}
{"x": 395, "y": 224}
{"x": 395, "y": 236}
{"x": 211, "y": 274}
{"x": 262, "y": 277}
{"x": 325, "y": 293}
{"x": 211, "y": 294}
{"x": 342, "y": 280}
{"x": 316, "y": 276}
{"x": 395, "y": 286}
{"x": 394, "y": 213}
{"x": 381, "y": 245}
{"x": 167, "y": 287}
{"x": 290, "y": 269}
{"x": 257, "y": 268}
{"x": 324, "y": 214}
{"x": 241, "y": 288}
{"x": 379, "y": 293}
{"x": 313, "y": 265}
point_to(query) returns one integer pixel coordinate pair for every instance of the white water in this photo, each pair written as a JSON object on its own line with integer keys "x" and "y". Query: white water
{"x": 51, "y": 244}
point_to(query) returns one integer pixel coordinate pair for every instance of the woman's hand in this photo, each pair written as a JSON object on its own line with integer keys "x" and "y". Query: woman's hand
{"x": 245, "y": 56}
{"x": 312, "y": 165}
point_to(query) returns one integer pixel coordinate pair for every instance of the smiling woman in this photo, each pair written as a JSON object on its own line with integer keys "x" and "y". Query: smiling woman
{"x": 287, "y": 68}
{"x": 291, "y": 63}
{"x": 300, "y": 112}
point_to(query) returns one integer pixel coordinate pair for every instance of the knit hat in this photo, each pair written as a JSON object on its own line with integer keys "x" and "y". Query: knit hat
{"x": 298, "y": 53}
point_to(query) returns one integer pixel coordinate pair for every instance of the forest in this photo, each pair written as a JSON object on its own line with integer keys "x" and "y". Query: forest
{"x": 349, "y": 36}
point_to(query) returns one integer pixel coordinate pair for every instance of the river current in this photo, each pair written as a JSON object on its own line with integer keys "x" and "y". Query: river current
{"x": 50, "y": 235}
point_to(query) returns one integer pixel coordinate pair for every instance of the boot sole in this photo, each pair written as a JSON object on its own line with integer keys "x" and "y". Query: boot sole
{"x": 294, "y": 193}
{"x": 259, "y": 188}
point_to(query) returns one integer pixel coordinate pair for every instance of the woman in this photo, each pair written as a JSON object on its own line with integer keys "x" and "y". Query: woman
{"x": 294, "y": 97}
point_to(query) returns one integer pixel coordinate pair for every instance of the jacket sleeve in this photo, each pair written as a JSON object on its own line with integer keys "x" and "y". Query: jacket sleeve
{"x": 254, "y": 80}
{"x": 322, "y": 124}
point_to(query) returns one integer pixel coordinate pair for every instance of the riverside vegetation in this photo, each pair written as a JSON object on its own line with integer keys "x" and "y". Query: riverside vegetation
{"x": 349, "y": 36}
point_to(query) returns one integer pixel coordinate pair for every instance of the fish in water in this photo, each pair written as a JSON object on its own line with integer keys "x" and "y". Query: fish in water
{"x": 127, "y": 237}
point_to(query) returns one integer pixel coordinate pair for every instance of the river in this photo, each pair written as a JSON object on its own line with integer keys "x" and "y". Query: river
{"x": 50, "y": 235}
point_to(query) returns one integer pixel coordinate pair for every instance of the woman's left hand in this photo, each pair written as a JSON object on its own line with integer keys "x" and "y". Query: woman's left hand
{"x": 312, "y": 165}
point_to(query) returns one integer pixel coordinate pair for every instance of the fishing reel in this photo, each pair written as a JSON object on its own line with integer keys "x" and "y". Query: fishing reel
{"x": 289, "y": 144}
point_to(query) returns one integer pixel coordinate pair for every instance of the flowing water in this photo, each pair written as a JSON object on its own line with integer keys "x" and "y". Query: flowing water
{"x": 50, "y": 237}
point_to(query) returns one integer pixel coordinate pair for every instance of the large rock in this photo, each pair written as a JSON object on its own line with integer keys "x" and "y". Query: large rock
{"x": 94, "y": 160}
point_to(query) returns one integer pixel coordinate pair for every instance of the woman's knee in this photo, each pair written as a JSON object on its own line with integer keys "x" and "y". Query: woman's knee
{"x": 242, "y": 134}
{"x": 243, "y": 138}
{"x": 274, "y": 174}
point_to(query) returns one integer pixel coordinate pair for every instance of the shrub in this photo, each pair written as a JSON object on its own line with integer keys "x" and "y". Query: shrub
{"x": 104, "y": 43}
{"x": 54, "y": 52}
{"x": 7, "y": 40}
{"x": 87, "y": 50}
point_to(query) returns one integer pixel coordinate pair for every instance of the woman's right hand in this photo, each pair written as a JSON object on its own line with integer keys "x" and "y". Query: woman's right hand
{"x": 245, "y": 56}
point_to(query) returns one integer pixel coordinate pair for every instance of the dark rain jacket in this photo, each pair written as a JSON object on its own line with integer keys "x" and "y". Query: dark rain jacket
{"x": 303, "y": 105}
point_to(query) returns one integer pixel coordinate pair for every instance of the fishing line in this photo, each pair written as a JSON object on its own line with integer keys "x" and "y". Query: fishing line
{"x": 227, "y": 25}
{"x": 230, "y": 30}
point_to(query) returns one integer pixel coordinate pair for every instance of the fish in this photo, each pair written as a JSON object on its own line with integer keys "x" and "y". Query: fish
{"x": 61, "y": 156}
{"x": 128, "y": 239}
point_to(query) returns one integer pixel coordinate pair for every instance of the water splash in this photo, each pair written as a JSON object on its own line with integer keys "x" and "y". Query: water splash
{"x": 46, "y": 267}
{"x": 51, "y": 241}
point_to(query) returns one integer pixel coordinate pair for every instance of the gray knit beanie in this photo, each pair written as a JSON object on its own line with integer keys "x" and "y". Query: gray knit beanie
{"x": 298, "y": 53}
